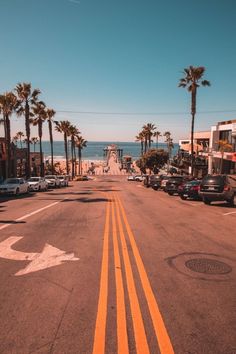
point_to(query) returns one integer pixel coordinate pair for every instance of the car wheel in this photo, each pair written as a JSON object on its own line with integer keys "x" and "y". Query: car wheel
{"x": 206, "y": 201}
{"x": 17, "y": 191}
{"x": 170, "y": 193}
{"x": 183, "y": 198}
{"x": 39, "y": 189}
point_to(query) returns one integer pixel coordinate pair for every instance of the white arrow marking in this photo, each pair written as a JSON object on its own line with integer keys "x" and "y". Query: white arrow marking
{"x": 49, "y": 257}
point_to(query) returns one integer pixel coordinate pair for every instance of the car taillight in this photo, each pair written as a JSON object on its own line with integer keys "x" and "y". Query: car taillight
{"x": 226, "y": 187}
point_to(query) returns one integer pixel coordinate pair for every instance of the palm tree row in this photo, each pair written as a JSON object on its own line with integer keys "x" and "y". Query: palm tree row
{"x": 23, "y": 101}
{"x": 145, "y": 137}
{"x": 76, "y": 140}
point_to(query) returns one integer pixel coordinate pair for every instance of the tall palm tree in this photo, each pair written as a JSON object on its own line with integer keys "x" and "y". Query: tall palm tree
{"x": 27, "y": 98}
{"x": 149, "y": 129}
{"x": 74, "y": 132}
{"x": 50, "y": 114}
{"x": 64, "y": 127}
{"x": 192, "y": 81}
{"x": 224, "y": 146}
{"x": 34, "y": 141}
{"x": 140, "y": 137}
{"x": 8, "y": 104}
{"x": 157, "y": 134}
{"x": 40, "y": 115}
{"x": 80, "y": 143}
{"x": 19, "y": 136}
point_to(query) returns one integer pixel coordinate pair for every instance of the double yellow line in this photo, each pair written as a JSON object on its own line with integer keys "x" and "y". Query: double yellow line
{"x": 115, "y": 215}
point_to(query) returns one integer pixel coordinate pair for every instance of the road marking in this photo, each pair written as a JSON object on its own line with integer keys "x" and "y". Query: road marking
{"x": 122, "y": 339}
{"x": 100, "y": 329}
{"x": 29, "y": 214}
{"x": 49, "y": 257}
{"x": 158, "y": 323}
{"x": 139, "y": 330}
{"x": 232, "y": 212}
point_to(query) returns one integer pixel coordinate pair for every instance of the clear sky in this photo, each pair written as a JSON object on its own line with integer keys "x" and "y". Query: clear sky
{"x": 121, "y": 56}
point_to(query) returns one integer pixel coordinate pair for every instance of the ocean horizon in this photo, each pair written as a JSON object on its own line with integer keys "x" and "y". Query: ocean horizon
{"x": 95, "y": 149}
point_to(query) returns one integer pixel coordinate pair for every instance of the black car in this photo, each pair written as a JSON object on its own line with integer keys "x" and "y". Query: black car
{"x": 172, "y": 184}
{"x": 152, "y": 181}
{"x": 217, "y": 188}
{"x": 190, "y": 190}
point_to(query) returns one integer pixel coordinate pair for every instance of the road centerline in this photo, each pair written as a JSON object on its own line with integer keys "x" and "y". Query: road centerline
{"x": 163, "y": 339}
{"x": 122, "y": 339}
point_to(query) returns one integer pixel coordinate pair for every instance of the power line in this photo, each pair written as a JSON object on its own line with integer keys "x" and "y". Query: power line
{"x": 143, "y": 113}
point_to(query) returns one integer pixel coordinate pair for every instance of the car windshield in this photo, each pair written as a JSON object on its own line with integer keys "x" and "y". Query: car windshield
{"x": 34, "y": 179}
{"x": 214, "y": 180}
{"x": 50, "y": 177}
{"x": 61, "y": 177}
{"x": 12, "y": 181}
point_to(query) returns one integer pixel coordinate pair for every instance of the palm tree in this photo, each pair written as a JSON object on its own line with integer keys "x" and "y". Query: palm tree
{"x": 8, "y": 104}
{"x": 64, "y": 127}
{"x": 74, "y": 132}
{"x": 170, "y": 145}
{"x": 39, "y": 117}
{"x": 19, "y": 136}
{"x": 80, "y": 143}
{"x": 192, "y": 81}
{"x": 157, "y": 134}
{"x": 148, "y": 130}
{"x": 27, "y": 98}
{"x": 140, "y": 137}
{"x": 34, "y": 141}
{"x": 50, "y": 114}
{"x": 223, "y": 147}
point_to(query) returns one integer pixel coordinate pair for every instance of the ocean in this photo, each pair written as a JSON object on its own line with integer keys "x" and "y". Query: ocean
{"x": 94, "y": 150}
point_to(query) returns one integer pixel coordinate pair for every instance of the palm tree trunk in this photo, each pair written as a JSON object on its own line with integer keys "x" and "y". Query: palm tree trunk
{"x": 80, "y": 155}
{"x": 75, "y": 160}
{"x": 72, "y": 159}
{"x": 193, "y": 111}
{"x": 27, "y": 130}
{"x": 40, "y": 124}
{"x": 66, "y": 153}
{"x": 51, "y": 144}
{"x": 8, "y": 146}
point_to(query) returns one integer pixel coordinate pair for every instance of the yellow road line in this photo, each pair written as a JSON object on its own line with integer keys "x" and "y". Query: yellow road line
{"x": 158, "y": 323}
{"x": 100, "y": 329}
{"x": 139, "y": 331}
{"x": 122, "y": 339}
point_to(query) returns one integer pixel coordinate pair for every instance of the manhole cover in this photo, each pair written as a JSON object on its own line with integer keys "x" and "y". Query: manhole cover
{"x": 208, "y": 266}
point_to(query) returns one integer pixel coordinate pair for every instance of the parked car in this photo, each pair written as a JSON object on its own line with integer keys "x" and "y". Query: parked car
{"x": 64, "y": 180}
{"x": 37, "y": 184}
{"x": 152, "y": 181}
{"x": 14, "y": 186}
{"x": 140, "y": 178}
{"x": 217, "y": 188}
{"x": 164, "y": 179}
{"x": 53, "y": 181}
{"x": 190, "y": 190}
{"x": 172, "y": 184}
{"x": 131, "y": 178}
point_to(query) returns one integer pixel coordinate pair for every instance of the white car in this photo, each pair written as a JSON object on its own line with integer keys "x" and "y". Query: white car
{"x": 38, "y": 184}
{"x": 53, "y": 181}
{"x": 131, "y": 178}
{"x": 14, "y": 186}
{"x": 64, "y": 180}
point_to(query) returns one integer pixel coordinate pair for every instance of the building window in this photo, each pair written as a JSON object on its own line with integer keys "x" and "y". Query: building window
{"x": 226, "y": 135}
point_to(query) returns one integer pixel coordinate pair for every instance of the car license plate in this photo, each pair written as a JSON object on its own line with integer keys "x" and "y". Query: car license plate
{"x": 211, "y": 188}
{"x": 185, "y": 195}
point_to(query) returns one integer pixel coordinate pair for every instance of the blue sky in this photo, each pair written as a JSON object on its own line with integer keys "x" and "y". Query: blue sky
{"x": 121, "y": 56}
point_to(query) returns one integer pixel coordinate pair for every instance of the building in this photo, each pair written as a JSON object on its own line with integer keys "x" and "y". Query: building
{"x": 225, "y": 130}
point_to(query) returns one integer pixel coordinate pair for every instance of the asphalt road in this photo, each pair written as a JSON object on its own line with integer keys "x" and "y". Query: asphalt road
{"x": 108, "y": 266}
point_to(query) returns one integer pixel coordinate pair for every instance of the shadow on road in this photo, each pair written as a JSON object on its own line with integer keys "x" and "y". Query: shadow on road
{"x": 86, "y": 200}
{"x": 12, "y": 222}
